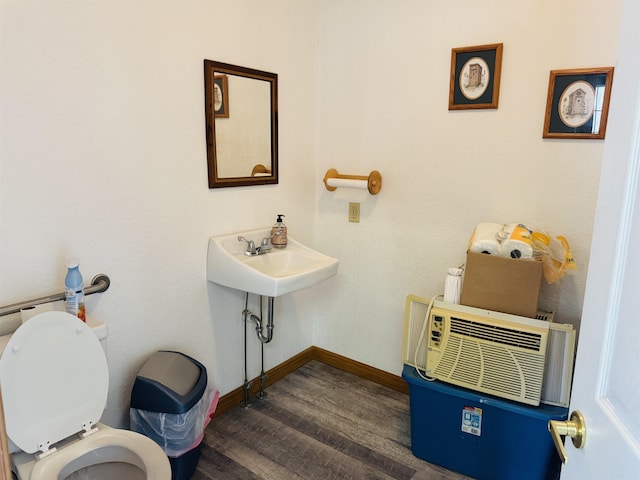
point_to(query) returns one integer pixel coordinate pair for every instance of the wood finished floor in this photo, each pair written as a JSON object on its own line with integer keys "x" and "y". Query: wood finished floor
{"x": 317, "y": 423}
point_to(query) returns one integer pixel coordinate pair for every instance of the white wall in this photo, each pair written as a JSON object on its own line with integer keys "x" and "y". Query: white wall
{"x": 102, "y": 155}
{"x": 384, "y": 85}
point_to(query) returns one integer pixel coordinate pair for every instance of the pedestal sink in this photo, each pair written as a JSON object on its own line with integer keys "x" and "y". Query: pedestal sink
{"x": 274, "y": 273}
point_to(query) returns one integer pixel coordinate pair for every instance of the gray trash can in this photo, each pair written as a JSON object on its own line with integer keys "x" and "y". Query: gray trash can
{"x": 171, "y": 404}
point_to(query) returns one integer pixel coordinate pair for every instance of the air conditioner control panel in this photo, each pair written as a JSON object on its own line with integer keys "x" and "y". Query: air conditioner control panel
{"x": 436, "y": 331}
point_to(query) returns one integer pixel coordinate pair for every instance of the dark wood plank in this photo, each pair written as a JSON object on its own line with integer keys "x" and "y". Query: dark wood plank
{"x": 215, "y": 465}
{"x": 337, "y": 441}
{"x": 318, "y": 422}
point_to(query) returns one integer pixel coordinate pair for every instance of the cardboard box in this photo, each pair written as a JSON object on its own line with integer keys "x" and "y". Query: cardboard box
{"x": 501, "y": 284}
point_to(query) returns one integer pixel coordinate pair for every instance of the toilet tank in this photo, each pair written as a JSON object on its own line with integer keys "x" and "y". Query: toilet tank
{"x": 100, "y": 329}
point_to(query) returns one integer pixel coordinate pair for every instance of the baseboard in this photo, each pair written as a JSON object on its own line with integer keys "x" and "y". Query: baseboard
{"x": 362, "y": 370}
{"x": 233, "y": 398}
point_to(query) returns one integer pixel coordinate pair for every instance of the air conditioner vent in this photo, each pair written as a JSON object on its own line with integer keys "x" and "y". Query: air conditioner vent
{"x": 497, "y": 334}
{"x": 502, "y": 355}
{"x": 546, "y": 316}
{"x": 492, "y": 368}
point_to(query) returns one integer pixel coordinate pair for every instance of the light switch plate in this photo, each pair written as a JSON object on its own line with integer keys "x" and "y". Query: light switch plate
{"x": 354, "y": 212}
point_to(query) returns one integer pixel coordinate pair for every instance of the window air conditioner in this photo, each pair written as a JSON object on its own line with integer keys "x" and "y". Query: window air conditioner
{"x": 523, "y": 359}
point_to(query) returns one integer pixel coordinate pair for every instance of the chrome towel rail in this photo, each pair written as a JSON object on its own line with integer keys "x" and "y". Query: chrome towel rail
{"x": 99, "y": 284}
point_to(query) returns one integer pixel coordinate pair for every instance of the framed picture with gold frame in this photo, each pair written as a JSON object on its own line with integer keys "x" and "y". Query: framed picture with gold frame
{"x": 578, "y": 103}
{"x": 220, "y": 96}
{"x": 475, "y": 77}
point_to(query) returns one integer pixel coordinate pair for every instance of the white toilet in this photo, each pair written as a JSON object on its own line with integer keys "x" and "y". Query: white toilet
{"x": 54, "y": 379}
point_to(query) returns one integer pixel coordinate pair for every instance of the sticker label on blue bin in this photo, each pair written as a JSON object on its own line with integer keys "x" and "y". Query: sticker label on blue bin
{"x": 472, "y": 420}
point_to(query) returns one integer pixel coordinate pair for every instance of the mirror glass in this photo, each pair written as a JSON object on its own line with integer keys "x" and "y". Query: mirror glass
{"x": 241, "y": 107}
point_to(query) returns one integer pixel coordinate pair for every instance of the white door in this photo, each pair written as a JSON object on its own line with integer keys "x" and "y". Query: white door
{"x": 606, "y": 385}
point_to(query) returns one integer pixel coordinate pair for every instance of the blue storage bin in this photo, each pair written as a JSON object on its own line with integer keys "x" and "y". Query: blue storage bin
{"x": 479, "y": 435}
{"x": 169, "y": 405}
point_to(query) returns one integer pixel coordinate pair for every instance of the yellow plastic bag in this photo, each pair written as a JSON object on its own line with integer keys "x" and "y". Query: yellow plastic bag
{"x": 555, "y": 254}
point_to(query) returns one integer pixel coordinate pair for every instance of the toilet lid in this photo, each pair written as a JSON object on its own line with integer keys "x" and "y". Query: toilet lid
{"x": 54, "y": 380}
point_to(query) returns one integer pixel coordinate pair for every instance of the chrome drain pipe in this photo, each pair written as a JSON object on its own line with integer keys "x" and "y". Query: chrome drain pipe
{"x": 246, "y": 403}
{"x": 248, "y": 316}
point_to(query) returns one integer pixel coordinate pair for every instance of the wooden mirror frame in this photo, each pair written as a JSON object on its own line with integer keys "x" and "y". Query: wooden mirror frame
{"x": 264, "y": 176}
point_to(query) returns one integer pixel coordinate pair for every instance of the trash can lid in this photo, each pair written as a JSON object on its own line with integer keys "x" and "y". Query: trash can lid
{"x": 173, "y": 370}
{"x": 169, "y": 382}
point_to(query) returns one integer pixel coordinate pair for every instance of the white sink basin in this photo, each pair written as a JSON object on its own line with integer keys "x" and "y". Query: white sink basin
{"x": 275, "y": 273}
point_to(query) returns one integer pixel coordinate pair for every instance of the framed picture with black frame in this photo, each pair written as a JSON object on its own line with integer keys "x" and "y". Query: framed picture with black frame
{"x": 475, "y": 77}
{"x": 578, "y": 103}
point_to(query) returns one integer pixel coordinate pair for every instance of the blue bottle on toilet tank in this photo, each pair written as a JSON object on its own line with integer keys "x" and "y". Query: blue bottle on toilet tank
{"x": 74, "y": 290}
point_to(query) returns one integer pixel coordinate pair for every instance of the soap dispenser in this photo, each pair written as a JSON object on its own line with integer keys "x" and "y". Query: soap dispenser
{"x": 279, "y": 233}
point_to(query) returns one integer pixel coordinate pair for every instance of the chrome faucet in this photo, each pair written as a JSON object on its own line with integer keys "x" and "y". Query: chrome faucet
{"x": 252, "y": 250}
{"x": 264, "y": 246}
{"x": 251, "y": 246}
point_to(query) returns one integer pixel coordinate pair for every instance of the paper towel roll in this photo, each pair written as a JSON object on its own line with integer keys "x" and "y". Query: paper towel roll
{"x": 29, "y": 312}
{"x": 516, "y": 241}
{"x": 484, "y": 239}
{"x": 348, "y": 183}
{"x": 517, "y": 249}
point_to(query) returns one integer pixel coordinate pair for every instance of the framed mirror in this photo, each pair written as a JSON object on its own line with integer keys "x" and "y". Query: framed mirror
{"x": 241, "y": 108}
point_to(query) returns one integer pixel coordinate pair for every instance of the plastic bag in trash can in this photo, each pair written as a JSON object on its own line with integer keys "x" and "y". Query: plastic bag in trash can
{"x": 176, "y": 433}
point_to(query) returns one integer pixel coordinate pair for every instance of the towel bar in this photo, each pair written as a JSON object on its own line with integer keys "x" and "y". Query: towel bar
{"x": 99, "y": 284}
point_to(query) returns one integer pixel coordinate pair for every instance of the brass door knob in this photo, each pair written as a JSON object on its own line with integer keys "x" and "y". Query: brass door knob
{"x": 575, "y": 428}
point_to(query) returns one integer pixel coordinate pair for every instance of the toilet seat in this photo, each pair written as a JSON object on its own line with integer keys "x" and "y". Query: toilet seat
{"x": 70, "y": 393}
{"x": 105, "y": 446}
